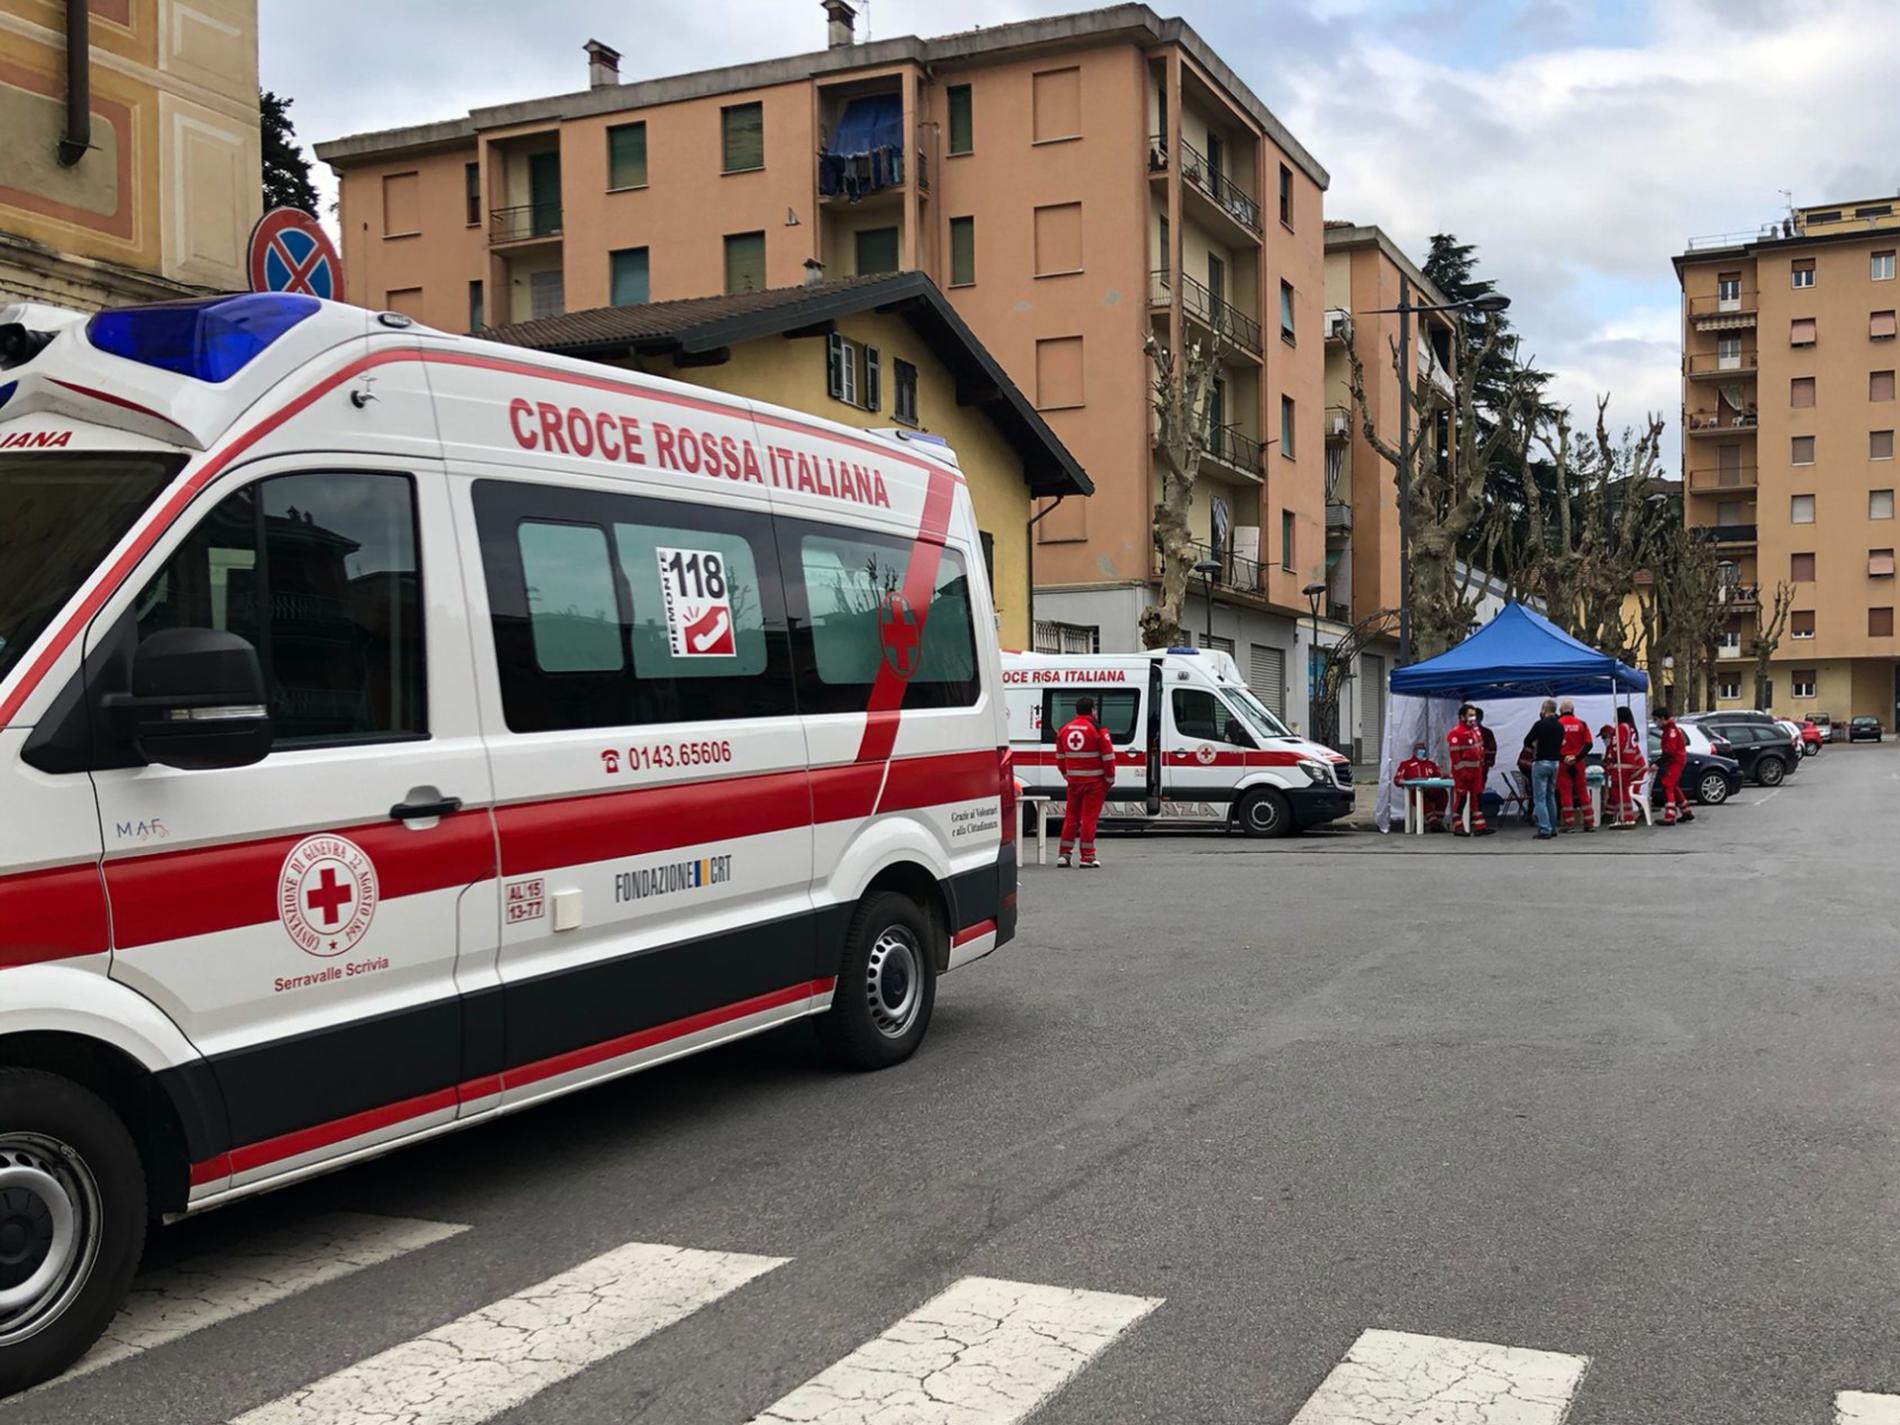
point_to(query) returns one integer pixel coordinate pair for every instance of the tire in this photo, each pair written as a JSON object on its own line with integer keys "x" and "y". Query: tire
{"x": 887, "y": 984}
{"x": 1770, "y": 771}
{"x": 72, "y": 1223}
{"x": 1810, "y": 749}
{"x": 1712, "y": 790}
{"x": 1264, "y": 812}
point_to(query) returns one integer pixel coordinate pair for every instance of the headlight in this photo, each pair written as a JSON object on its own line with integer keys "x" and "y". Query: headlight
{"x": 1318, "y": 773}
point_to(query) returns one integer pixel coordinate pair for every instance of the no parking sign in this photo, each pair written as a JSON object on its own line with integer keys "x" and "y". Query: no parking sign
{"x": 290, "y": 252}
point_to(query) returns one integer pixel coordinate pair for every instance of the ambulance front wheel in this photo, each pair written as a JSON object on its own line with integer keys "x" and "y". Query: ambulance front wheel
{"x": 1264, "y": 812}
{"x": 72, "y": 1223}
{"x": 887, "y": 984}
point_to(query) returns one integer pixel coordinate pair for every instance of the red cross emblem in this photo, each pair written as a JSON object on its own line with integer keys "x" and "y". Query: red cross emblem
{"x": 898, "y": 631}
{"x": 326, "y": 894}
{"x": 329, "y": 896}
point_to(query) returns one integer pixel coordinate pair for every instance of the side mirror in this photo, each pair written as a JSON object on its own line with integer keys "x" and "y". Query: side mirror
{"x": 197, "y": 701}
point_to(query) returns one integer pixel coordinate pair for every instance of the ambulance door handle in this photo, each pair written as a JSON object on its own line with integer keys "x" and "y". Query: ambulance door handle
{"x": 422, "y": 811}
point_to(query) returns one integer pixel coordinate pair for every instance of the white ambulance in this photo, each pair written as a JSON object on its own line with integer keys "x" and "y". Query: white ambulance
{"x": 1192, "y": 742}
{"x": 398, "y": 729}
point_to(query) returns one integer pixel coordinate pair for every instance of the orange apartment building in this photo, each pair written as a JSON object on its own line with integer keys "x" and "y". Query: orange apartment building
{"x": 1073, "y": 183}
{"x": 1789, "y": 414}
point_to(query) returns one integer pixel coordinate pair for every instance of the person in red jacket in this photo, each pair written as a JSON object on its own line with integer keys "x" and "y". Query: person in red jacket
{"x": 1417, "y": 768}
{"x": 1085, "y": 755}
{"x": 1466, "y": 744}
{"x": 1573, "y": 779}
{"x": 1675, "y": 756}
{"x": 1624, "y": 762}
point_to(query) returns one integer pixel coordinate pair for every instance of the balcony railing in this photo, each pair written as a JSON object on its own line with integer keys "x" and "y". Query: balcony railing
{"x": 1726, "y": 533}
{"x": 528, "y": 220}
{"x": 1222, "y": 316}
{"x": 1234, "y": 572}
{"x": 1227, "y": 195}
{"x": 1733, "y": 477}
{"x": 1338, "y": 423}
{"x": 1743, "y": 304}
{"x": 1232, "y": 446}
{"x": 1714, "y": 423}
{"x": 1740, "y": 364}
{"x": 1741, "y": 597}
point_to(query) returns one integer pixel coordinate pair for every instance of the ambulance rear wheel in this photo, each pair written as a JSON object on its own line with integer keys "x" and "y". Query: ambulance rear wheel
{"x": 1264, "y": 812}
{"x": 887, "y": 984}
{"x": 72, "y": 1223}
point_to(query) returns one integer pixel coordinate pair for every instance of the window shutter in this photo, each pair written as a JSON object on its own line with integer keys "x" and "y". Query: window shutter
{"x": 834, "y": 366}
{"x": 1880, "y": 325}
{"x": 873, "y": 383}
{"x": 989, "y": 555}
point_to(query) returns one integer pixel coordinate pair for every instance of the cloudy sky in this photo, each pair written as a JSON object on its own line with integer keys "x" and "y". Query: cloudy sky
{"x": 1578, "y": 144}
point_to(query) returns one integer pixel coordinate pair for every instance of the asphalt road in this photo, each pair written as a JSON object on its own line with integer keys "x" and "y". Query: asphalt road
{"x": 1630, "y": 1099}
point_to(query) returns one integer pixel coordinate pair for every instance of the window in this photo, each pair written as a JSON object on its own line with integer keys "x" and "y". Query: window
{"x": 1165, "y": 244}
{"x": 1880, "y": 504}
{"x": 1286, "y": 195}
{"x": 903, "y": 391}
{"x": 1729, "y": 641}
{"x": 1286, "y": 426}
{"x": 1286, "y": 312}
{"x": 1058, "y": 238}
{"x": 1801, "y": 623}
{"x": 1883, "y": 266}
{"x": 1880, "y": 564}
{"x": 407, "y": 300}
{"x": 853, "y": 373}
{"x": 1117, "y": 709}
{"x": 1728, "y": 353}
{"x": 1880, "y": 385}
{"x": 630, "y": 287}
{"x": 1801, "y": 332}
{"x": 856, "y": 623}
{"x": 1058, "y": 373}
{"x": 1804, "y": 272}
{"x": 402, "y": 204}
{"x": 1801, "y": 683}
{"x": 1728, "y": 512}
{"x": 745, "y": 262}
{"x": 876, "y": 250}
{"x": 1831, "y": 215}
{"x": 1880, "y": 326}
{"x": 1801, "y": 392}
{"x": 320, "y": 573}
{"x": 962, "y": 251}
{"x": 962, "y": 126}
{"x": 1056, "y": 98}
{"x": 1286, "y": 540}
{"x": 1728, "y": 291}
{"x": 476, "y": 315}
{"x": 1729, "y": 691}
{"x": 547, "y": 294}
{"x": 1801, "y": 509}
{"x": 1201, "y": 715}
{"x": 742, "y": 136}
{"x": 1801, "y": 568}
{"x": 627, "y": 156}
{"x": 1880, "y": 445}
{"x": 616, "y": 610}
{"x": 472, "y": 180}
{"x": 1880, "y": 622}
{"x": 1801, "y": 450}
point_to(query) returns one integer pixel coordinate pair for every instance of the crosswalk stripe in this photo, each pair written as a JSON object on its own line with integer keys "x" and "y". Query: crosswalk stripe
{"x": 511, "y": 1350}
{"x": 1858, "y": 1407}
{"x": 1395, "y": 1378}
{"x": 984, "y": 1352}
{"x": 175, "y": 1301}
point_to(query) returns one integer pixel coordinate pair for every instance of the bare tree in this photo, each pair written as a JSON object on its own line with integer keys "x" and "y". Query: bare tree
{"x": 1771, "y": 622}
{"x": 1340, "y": 659}
{"x": 1179, "y": 396}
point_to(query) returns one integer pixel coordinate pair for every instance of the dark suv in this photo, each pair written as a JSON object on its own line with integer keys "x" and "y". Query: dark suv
{"x": 1764, "y": 749}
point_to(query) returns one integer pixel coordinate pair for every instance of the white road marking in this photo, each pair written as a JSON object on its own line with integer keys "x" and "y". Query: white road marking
{"x": 177, "y": 1300}
{"x": 1857, "y": 1407}
{"x": 511, "y": 1350}
{"x": 984, "y": 1352}
{"x": 1396, "y": 1378}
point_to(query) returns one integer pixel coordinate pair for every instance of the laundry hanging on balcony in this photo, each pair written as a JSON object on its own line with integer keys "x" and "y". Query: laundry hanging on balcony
{"x": 866, "y": 149}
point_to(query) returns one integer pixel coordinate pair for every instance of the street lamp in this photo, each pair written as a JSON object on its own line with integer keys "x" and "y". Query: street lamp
{"x": 1314, "y": 593}
{"x": 1207, "y": 569}
{"x": 1491, "y": 304}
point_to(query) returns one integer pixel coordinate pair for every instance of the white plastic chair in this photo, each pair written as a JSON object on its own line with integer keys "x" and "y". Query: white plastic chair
{"x": 1641, "y": 793}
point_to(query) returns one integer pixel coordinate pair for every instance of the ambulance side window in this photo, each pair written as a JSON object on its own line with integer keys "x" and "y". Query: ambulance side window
{"x": 320, "y": 573}
{"x": 1116, "y": 709}
{"x": 1200, "y": 714}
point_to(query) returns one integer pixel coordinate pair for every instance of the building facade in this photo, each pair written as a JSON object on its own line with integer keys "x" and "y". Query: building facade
{"x": 144, "y": 182}
{"x": 1075, "y": 185}
{"x": 1789, "y": 417}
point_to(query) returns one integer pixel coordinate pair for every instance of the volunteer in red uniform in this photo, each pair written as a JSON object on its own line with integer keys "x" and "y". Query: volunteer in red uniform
{"x": 1573, "y": 771}
{"x": 1085, "y": 755}
{"x": 1675, "y": 756}
{"x": 1420, "y": 767}
{"x": 1624, "y": 762}
{"x": 1466, "y": 743}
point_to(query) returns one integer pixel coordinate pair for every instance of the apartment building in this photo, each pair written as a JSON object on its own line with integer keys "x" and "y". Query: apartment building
{"x": 134, "y": 176}
{"x": 1074, "y": 184}
{"x": 1789, "y": 414}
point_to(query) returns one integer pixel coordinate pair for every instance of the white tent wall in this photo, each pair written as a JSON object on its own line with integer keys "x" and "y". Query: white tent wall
{"x": 1509, "y": 719}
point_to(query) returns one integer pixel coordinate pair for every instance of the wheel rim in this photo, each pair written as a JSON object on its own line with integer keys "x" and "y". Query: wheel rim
{"x": 1714, "y": 789}
{"x": 49, "y": 1231}
{"x": 894, "y": 982}
{"x": 1771, "y": 772}
{"x": 1262, "y": 814}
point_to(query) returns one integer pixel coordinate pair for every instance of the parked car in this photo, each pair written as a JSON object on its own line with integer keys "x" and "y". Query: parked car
{"x": 1811, "y": 738}
{"x": 1706, "y": 778}
{"x": 1832, "y": 730}
{"x": 1763, "y": 749}
{"x": 1707, "y": 743}
{"x": 1864, "y": 729}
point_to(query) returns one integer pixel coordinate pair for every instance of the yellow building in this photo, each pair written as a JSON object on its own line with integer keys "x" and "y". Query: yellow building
{"x": 1789, "y": 417}
{"x": 136, "y": 176}
{"x": 882, "y": 352}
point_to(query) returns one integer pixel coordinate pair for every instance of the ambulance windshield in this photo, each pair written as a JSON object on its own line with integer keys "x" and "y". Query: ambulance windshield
{"x": 1257, "y": 714}
{"x": 59, "y": 517}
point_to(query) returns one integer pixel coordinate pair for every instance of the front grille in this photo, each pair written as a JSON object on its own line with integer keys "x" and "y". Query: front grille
{"x": 1342, "y": 772}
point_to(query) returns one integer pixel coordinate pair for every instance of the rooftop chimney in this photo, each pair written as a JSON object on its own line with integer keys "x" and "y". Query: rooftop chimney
{"x": 603, "y": 65}
{"x": 839, "y": 17}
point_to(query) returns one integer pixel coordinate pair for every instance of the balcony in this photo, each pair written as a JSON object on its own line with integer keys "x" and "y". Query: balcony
{"x": 1718, "y": 313}
{"x": 1338, "y": 423}
{"x": 1233, "y": 448}
{"x": 1726, "y": 533}
{"x": 1721, "y": 480}
{"x": 1216, "y": 314}
{"x": 528, "y": 222}
{"x": 1338, "y": 516}
{"x": 1702, "y": 424}
{"x": 1714, "y": 366}
{"x": 1338, "y": 326}
{"x": 1216, "y": 195}
{"x": 1246, "y": 576}
{"x": 1742, "y": 598}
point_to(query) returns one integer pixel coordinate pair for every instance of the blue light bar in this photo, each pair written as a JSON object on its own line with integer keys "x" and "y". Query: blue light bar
{"x": 1184, "y": 650}
{"x": 210, "y": 339}
{"x": 6, "y": 391}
